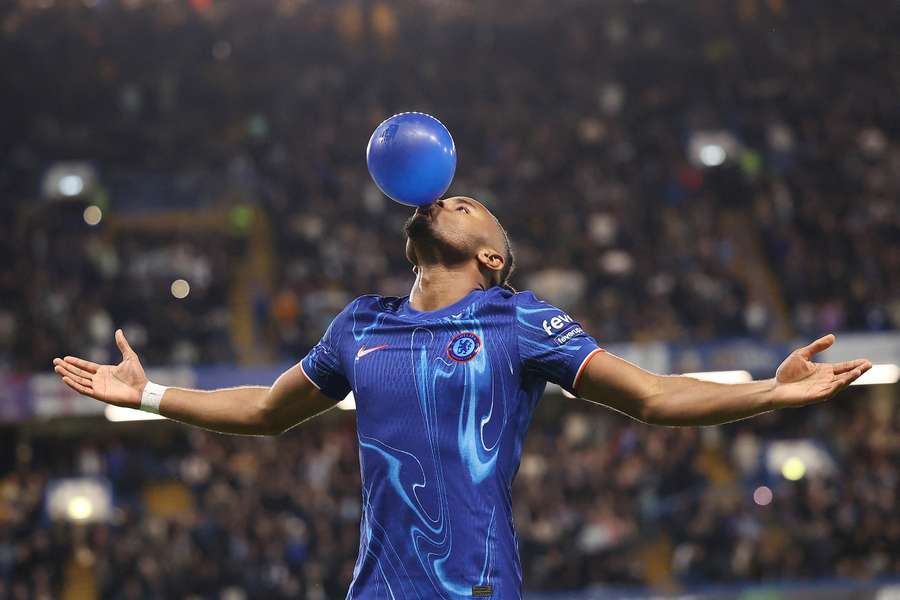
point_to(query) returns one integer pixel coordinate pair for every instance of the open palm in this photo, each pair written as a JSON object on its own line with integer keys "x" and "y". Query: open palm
{"x": 802, "y": 381}
{"x": 120, "y": 384}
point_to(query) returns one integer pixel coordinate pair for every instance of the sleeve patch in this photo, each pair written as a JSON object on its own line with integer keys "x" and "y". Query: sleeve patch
{"x": 568, "y": 334}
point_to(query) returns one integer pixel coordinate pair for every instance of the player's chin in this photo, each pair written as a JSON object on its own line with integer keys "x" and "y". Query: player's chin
{"x": 418, "y": 227}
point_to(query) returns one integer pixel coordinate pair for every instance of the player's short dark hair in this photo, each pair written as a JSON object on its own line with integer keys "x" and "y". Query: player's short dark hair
{"x": 509, "y": 264}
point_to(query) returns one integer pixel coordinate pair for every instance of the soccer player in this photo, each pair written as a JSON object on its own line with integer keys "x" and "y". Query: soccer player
{"x": 445, "y": 381}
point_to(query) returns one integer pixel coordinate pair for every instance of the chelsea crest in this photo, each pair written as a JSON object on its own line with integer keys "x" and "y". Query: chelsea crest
{"x": 464, "y": 346}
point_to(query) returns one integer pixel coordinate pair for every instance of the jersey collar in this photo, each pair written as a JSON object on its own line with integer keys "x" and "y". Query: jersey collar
{"x": 409, "y": 312}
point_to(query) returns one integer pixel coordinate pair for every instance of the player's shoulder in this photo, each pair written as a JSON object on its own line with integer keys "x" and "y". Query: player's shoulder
{"x": 527, "y": 298}
{"x": 360, "y": 313}
{"x": 497, "y": 298}
{"x": 366, "y": 300}
{"x": 516, "y": 302}
{"x": 529, "y": 308}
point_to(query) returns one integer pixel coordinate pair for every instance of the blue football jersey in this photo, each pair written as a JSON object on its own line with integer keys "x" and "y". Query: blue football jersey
{"x": 443, "y": 401}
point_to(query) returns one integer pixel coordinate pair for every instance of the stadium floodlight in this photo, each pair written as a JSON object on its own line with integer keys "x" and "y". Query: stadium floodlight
{"x": 722, "y": 376}
{"x": 712, "y": 148}
{"x": 795, "y": 459}
{"x": 712, "y": 155}
{"x": 119, "y": 414}
{"x": 79, "y": 499}
{"x": 793, "y": 469}
{"x": 68, "y": 180}
{"x": 879, "y": 375}
{"x": 80, "y": 508}
{"x": 70, "y": 185}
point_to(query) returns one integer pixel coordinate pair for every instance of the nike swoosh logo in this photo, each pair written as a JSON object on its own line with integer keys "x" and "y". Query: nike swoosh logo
{"x": 363, "y": 351}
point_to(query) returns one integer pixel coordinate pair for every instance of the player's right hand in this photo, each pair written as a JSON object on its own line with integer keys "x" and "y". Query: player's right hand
{"x": 121, "y": 384}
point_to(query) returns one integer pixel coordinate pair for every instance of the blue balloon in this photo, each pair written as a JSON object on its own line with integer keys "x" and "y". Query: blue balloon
{"x": 412, "y": 158}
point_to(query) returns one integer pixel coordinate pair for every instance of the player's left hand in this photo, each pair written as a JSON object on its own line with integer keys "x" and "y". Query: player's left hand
{"x": 801, "y": 381}
{"x": 121, "y": 384}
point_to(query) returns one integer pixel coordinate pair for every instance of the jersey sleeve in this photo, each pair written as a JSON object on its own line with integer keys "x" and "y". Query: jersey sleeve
{"x": 551, "y": 344}
{"x": 322, "y": 364}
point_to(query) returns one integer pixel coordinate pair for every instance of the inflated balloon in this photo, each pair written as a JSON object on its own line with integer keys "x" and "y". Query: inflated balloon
{"x": 412, "y": 158}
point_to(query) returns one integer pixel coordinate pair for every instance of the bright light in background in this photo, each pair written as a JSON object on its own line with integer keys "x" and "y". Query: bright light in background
{"x": 795, "y": 459}
{"x": 70, "y": 185}
{"x": 80, "y": 508}
{"x": 711, "y": 148}
{"x": 180, "y": 288}
{"x": 762, "y": 495}
{"x": 722, "y": 376}
{"x": 119, "y": 414}
{"x": 92, "y": 215}
{"x": 348, "y": 403}
{"x": 879, "y": 374}
{"x": 68, "y": 179}
{"x": 793, "y": 469}
{"x": 712, "y": 155}
{"x": 79, "y": 499}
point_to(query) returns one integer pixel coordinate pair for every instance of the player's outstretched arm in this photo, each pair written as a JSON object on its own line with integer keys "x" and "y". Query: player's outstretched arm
{"x": 679, "y": 400}
{"x": 243, "y": 410}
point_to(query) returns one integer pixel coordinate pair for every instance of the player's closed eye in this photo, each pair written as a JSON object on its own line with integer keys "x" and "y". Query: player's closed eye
{"x": 463, "y": 208}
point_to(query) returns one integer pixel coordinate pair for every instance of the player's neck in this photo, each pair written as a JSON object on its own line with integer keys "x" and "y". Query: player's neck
{"x": 438, "y": 286}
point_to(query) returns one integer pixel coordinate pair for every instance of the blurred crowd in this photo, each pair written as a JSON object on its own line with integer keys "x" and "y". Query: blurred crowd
{"x": 599, "y": 500}
{"x": 581, "y": 124}
{"x": 78, "y": 289}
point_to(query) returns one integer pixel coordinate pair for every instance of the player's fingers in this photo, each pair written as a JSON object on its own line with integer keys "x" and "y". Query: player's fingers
{"x": 87, "y": 365}
{"x": 845, "y": 379}
{"x": 77, "y": 386}
{"x": 122, "y": 343}
{"x": 817, "y": 346}
{"x": 849, "y": 365}
{"x": 85, "y": 381}
{"x": 69, "y": 367}
{"x": 64, "y": 372}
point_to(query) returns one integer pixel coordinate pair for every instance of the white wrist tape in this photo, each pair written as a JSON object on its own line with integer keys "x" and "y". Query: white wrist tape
{"x": 152, "y": 396}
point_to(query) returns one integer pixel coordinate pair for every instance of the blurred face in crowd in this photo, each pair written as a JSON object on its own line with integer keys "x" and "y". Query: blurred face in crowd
{"x": 454, "y": 231}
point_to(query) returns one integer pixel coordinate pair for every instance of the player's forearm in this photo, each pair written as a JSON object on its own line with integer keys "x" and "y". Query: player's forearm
{"x": 241, "y": 410}
{"x": 679, "y": 400}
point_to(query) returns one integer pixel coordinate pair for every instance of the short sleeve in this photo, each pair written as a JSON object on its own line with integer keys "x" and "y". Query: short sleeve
{"x": 551, "y": 344}
{"x": 322, "y": 365}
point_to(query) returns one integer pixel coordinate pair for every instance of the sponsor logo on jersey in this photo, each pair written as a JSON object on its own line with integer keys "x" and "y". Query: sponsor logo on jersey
{"x": 568, "y": 335}
{"x": 556, "y": 324}
{"x": 464, "y": 346}
{"x": 482, "y": 591}
{"x": 363, "y": 351}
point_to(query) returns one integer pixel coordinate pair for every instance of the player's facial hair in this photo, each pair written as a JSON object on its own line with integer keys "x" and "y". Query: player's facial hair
{"x": 421, "y": 232}
{"x": 417, "y": 227}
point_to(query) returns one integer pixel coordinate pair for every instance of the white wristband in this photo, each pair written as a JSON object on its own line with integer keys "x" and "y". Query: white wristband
{"x": 152, "y": 396}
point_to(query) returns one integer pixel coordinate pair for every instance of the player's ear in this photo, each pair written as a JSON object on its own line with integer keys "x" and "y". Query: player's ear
{"x": 491, "y": 259}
